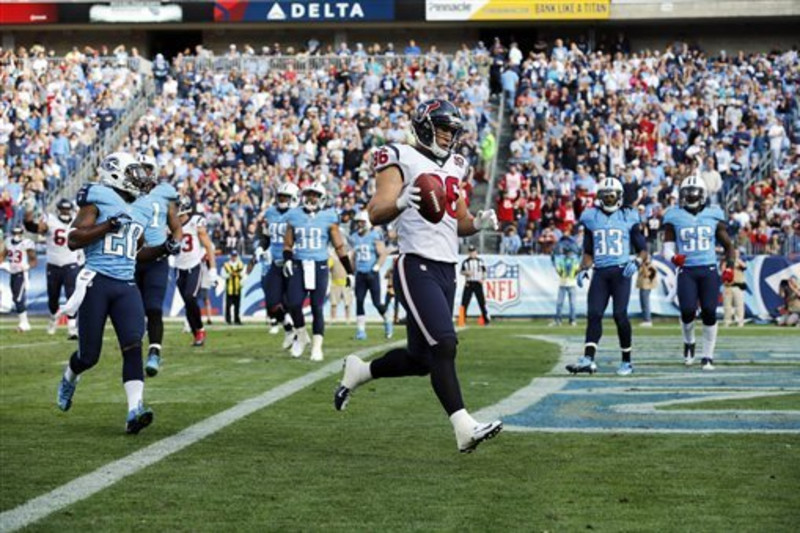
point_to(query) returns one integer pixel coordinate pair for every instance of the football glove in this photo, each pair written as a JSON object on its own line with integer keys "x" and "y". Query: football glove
{"x": 172, "y": 246}
{"x": 408, "y": 198}
{"x": 349, "y": 283}
{"x": 678, "y": 260}
{"x": 630, "y": 269}
{"x": 583, "y": 275}
{"x": 485, "y": 220}
{"x": 118, "y": 220}
{"x": 288, "y": 269}
{"x": 376, "y": 268}
{"x": 727, "y": 275}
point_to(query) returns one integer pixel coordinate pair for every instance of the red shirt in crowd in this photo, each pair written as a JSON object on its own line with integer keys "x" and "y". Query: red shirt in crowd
{"x": 505, "y": 210}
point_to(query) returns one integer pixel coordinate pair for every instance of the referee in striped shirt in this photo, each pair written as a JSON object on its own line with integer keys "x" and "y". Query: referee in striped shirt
{"x": 474, "y": 270}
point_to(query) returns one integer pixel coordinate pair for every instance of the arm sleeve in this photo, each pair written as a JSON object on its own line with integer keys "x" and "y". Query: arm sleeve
{"x": 637, "y": 239}
{"x": 588, "y": 242}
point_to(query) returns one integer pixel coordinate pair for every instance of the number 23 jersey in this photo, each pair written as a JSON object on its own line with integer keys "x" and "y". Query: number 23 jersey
{"x": 696, "y": 235}
{"x": 192, "y": 250}
{"x": 415, "y": 235}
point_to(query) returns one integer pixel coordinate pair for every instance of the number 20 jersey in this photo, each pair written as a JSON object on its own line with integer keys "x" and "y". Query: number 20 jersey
{"x": 415, "y": 235}
{"x": 696, "y": 235}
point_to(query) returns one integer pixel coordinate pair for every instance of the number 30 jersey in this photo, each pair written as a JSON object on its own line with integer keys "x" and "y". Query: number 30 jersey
{"x": 415, "y": 235}
{"x": 192, "y": 251}
{"x": 58, "y": 253}
{"x": 696, "y": 235}
{"x": 311, "y": 232}
{"x": 115, "y": 254}
{"x": 610, "y": 234}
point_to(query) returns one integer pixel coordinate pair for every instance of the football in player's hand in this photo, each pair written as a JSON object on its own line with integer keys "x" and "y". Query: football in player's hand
{"x": 433, "y": 199}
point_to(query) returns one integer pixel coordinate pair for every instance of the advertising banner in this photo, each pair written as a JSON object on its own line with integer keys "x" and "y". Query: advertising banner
{"x": 29, "y": 13}
{"x": 516, "y": 286}
{"x": 303, "y": 10}
{"x": 455, "y": 10}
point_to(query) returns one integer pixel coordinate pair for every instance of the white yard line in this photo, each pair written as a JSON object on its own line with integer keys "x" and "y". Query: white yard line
{"x": 105, "y": 476}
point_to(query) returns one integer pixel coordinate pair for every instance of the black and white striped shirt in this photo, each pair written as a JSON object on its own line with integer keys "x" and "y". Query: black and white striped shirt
{"x": 473, "y": 269}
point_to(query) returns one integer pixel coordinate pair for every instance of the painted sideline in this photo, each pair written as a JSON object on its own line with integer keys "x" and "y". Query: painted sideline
{"x": 105, "y": 476}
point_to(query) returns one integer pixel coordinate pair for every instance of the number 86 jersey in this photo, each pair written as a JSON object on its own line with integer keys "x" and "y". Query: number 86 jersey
{"x": 415, "y": 235}
{"x": 696, "y": 234}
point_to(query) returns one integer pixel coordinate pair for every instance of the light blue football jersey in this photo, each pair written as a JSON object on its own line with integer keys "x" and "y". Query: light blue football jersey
{"x": 611, "y": 235}
{"x": 696, "y": 235}
{"x": 365, "y": 250}
{"x": 276, "y": 229}
{"x": 311, "y": 232}
{"x": 115, "y": 254}
{"x": 155, "y": 205}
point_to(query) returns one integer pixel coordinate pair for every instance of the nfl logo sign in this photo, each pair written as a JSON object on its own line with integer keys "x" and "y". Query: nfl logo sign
{"x": 502, "y": 284}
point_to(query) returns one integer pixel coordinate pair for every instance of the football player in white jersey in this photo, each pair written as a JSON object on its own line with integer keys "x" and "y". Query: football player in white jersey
{"x": 21, "y": 255}
{"x": 197, "y": 247}
{"x": 63, "y": 264}
{"x": 425, "y": 276}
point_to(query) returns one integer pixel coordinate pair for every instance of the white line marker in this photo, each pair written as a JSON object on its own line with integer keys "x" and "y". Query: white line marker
{"x": 105, "y": 476}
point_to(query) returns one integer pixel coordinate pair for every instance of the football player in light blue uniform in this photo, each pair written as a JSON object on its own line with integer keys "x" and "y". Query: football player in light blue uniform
{"x": 691, "y": 234}
{"x": 610, "y": 230}
{"x": 309, "y": 229}
{"x": 111, "y": 232}
{"x": 274, "y": 284}
{"x": 160, "y": 204}
{"x": 370, "y": 253}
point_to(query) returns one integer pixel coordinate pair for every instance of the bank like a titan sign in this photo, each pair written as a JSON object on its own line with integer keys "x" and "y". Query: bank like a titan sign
{"x": 303, "y": 10}
{"x": 455, "y": 10}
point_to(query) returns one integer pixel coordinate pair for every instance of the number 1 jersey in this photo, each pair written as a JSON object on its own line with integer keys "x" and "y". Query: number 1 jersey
{"x": 415, "y": 235}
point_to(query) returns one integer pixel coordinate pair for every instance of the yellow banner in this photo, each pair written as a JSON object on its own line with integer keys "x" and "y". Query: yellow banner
{"x": 518, "y": 9}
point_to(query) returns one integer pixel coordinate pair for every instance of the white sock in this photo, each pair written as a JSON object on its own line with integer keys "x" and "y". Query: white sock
{"x": 52, "y": 318}
{"x": 72, "y": 323}
{"x": 318, "y": 341}
{"x": 462, "y": 421}
{"x": 156, "y": 346}
{"x": 359, "y": 374}
{"x": 361, "y": 322}
{"x": 69, "y": 375}
{"x": 23, "y": 317}
{"x": 134, "y": 390}
{"x": 688, "y": 332}
{"x": 287, "y": 320}
{"x": 709, "y": 340}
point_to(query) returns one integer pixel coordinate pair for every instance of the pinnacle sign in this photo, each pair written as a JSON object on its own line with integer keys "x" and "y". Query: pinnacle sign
{"x": 303, "y": 10}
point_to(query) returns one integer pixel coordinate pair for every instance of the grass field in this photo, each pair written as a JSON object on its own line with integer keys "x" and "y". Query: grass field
{"x": 389, "y": 463}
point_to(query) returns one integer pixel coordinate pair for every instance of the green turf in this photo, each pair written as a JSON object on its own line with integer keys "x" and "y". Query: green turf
{"x": 388, "y": 463}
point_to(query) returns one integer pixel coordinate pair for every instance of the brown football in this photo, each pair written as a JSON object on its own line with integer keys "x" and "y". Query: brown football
{"x": 432, "y": 204}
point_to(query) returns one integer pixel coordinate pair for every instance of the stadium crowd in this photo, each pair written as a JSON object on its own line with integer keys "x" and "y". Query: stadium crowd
{"x": 230, "y": 135}
{"x": 52, "y": 110}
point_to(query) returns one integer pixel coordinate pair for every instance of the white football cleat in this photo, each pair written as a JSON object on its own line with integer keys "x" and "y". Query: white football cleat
{"x": 288, "y": 339}
{"x": 316, "y": 348}
{"x": 356, "y": 372}
{"x": 708, "y": 363}
{"x": 274, "y": 329}
{"x": 469, "y": 441}
{"x": 301, "y": 340}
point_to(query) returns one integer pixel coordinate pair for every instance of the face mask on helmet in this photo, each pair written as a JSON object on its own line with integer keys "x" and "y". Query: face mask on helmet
{"x": 284, "y": 201}
{"x": 184, "y": 206}
{"x": 609, "y": 200}
{"x": 312, "y": 200}
{"x": 437, "y": 126}
{"x": 16, "y": 235}
{"x": 692, "y": 197}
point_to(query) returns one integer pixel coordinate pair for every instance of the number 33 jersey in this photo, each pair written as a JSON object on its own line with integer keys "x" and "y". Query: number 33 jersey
{"x": 610, "y": 234}
{"x": 415, "y": 235}
{"x": 696, "y": 235}
{"x": 114, "y": 255}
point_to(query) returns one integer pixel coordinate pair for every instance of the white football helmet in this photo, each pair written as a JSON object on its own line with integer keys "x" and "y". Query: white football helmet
{"x": 609, "y": 195}
{"x": 185, "y": 205}
{"x": 289, "y": 190}
{"x": 362, "y": 216}
{"x": 314, "y": 196}
{"x": 693, "y": 192}
{"x": 150, "y": 165}
{"x": 121, "y": 171}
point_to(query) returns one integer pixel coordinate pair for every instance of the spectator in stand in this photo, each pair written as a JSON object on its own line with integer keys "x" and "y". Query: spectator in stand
{"x": 511, "y": 242}
{"x": 646, "y": 281}
{"x": 790, "y": 311}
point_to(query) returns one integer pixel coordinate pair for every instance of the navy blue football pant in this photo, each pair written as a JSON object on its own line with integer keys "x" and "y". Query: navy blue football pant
{"x": 19, "y": 292}
{"x": 59, "y": 277}
{"x": 426, "y": 289}
{"x": 368, "y": 282}
{"x": 297, "y": 294}
{"x": 276, "y": 290}
{"x": 701, "y": 285}
{"x": 609, "y": 283}
{"x": 152, "y": 278}
{"x": 120, "y": 300}
{"x": 188, "y": 284}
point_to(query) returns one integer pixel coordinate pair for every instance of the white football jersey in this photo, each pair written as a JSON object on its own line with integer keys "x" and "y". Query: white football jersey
{"x": 415, "y": 235}
{"x": 192, "y": 251}
{"x": 18, "y": 255}
{"x": 58, "y": 253}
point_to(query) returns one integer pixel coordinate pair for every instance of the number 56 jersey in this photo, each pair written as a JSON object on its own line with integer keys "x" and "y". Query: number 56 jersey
{"x": 696, "y": 235}
{"x": 415, "y": 235}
